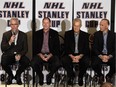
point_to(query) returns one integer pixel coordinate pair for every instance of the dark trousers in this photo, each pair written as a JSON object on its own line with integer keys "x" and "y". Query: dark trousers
{"x": 53, "y": 65}
{"x": 68, "y": 65}
{"x": 8, "y": 60}
{"x": 97, "y": 66}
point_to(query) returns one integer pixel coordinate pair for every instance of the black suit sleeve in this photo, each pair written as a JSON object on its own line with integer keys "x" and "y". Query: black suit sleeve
{"x": 95, "y": 44}
{"x": 86, "y": 48}
{"x": 111, "y": 44}
{"x": 24, "y": 46}
{"x": 56, "y": 46}
{"x": 37, "y": 42}
{"x": 21, "y": 47}
{"x": 5, "y": 43}
{"x": 66, "y": 42}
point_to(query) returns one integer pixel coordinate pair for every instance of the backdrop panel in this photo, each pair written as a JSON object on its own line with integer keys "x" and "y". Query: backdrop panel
{"x": 59, "y": 11}
{"x": 21, "y": 9}
{"x": 88, "y": 10}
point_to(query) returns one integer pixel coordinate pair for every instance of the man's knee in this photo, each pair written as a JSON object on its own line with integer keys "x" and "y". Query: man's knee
{"x": 33, "y": 64}
{"x": 4, "y": 61}
{"x": 25, "y": 61}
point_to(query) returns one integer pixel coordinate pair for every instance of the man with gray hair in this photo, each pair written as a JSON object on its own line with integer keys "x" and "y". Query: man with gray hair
{"x": 76, "y": 44}
{"x": 14, "y": 47}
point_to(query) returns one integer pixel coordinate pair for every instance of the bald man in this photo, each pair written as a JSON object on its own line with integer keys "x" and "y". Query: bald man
{"x": 104, "y": 50}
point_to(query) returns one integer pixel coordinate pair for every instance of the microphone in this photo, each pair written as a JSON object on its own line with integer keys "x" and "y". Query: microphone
{"x": 14, "y": 32}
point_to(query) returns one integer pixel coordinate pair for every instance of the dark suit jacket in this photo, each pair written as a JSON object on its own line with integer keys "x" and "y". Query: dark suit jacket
{"x": 53, "y": 42}
{"x": 83, "y": 43}
{"x": 98, "y": 43}
{"x": 20, "y": 48}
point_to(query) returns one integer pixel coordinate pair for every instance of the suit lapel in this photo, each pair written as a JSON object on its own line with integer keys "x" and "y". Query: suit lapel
{"x": 73, "y": 40}
{"x": 108, "y": 39}
{"x": 41, "y": 37}
{"x": 19, "y": 38}
{"x": 49, "y": 39}
{"x": 80, "y": 40}
{"x": 101, "y": 38}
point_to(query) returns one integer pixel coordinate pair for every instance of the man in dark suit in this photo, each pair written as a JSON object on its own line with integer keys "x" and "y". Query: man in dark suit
{"x": 77, "y": 51}
{"x": 104, "y": 50}
{"x": 46, "y": 50}
{"x": 14, "y": 48}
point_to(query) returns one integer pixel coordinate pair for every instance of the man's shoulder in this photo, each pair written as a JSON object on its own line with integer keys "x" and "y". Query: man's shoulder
{"x": 83, "y": 32}
{"x": 69, "y": 31}
{"x": 52, "y": 30}
{"x": 7, "y": 33}
{"x": 39, "y": 31}
{"x": 111, "y": 32}
{"x": 21, "y": 32}
{"x": 97, "y": 33}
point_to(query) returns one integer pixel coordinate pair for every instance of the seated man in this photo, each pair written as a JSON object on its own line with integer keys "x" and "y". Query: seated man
{"x": 14, "y": 48}
{"x": 104, "y": 50}
{"x": 46, "y": 50}
{"x": 76, "y": 44}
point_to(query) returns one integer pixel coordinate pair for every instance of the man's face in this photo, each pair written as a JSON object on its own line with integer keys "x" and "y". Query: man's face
{"x": 77, "y": 27}
{"x": 14, "y": 25}
{"x": 46, "y": 24}
{"x": 103, "y": 25}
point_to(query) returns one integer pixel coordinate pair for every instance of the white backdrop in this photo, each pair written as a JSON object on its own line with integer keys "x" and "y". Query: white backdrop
{"x": 21, "y": 9}
{"x": 57, "y": 10}
{"x": 84, "y": 9}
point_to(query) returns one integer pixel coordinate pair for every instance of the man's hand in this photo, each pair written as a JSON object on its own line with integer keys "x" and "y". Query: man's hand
{"x": 12, "y": 39}
{"x": 41, "y": 56}
{"x": 45, "y": 58}
{"x": 104, "y": 58}
{"x": 48, "y": 56}
{"x": 74, "y": 58}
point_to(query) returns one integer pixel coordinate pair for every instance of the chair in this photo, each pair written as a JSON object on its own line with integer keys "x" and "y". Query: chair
{"x": 104, "y": 70}
{"x": 2, "y": 75}
{"x": 95, "y": 79}
{"x": 25, "y": 75}
{"x": 14, "y": 68}
{"x": 45, "y": 72}
{"x": 85, "y": 77}
{"x": 45, "y": 68}
{"x": 91, "y": 78}
{"x": 62, "y": 78}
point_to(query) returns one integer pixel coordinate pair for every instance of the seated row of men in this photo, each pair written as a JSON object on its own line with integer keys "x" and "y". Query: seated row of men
{"x": 46, "y": 49}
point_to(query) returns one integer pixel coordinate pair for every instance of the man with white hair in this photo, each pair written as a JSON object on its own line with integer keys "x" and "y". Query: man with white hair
{"x": 14, "y": 47}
